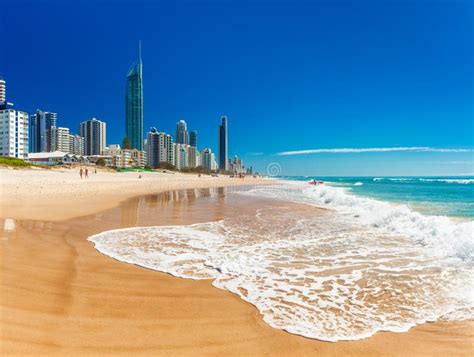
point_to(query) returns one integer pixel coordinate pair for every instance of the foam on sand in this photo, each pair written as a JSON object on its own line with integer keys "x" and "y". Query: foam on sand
{"x": 337, "y": 275}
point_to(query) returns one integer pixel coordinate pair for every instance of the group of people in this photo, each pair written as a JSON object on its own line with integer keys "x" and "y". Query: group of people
{"x": 85, "y": 172}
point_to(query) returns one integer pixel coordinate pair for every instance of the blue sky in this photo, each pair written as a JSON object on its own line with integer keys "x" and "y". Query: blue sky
{"x": 290, "y": 75}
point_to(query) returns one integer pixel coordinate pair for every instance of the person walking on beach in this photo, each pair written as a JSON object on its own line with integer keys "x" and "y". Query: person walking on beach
{"x": 87, "y": 173}
{"x": 80, "y": 173}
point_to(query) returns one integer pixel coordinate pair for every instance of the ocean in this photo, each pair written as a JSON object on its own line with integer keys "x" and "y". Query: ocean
{"x": 335, "y": 261}
{"x": 444, "y": 196}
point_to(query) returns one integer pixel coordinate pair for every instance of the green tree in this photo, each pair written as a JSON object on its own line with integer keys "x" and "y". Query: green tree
{"x": 126, "y": 143}
{"x": 101, "y": 162}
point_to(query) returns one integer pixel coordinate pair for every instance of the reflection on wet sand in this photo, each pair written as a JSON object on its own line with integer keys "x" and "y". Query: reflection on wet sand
{"x": 172, "y": 206}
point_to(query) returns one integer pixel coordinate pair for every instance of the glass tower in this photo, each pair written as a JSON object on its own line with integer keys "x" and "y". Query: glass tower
{"x": 40, "y": 125}
{"x": 193, "y": 137}
{"x": 182, "y": 136}
{"x": 134, "y": 105}
{"x": 223, "y": 162}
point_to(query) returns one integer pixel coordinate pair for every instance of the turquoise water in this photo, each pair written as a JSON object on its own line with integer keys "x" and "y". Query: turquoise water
{"x": 445, "y": 196}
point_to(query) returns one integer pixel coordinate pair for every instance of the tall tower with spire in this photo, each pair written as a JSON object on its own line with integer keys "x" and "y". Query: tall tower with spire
{"x": 134, "y": 103}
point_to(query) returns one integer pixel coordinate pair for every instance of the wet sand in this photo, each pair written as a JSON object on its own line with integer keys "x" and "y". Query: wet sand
{"x": 61, "y": 296}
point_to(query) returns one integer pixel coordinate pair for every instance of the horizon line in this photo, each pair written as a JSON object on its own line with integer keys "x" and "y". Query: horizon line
{"x": 364, "y": 150}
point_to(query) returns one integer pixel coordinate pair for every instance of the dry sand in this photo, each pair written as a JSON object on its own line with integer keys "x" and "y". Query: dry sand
{"x": 59, "y": 194}
{"x": 60, "y": 296}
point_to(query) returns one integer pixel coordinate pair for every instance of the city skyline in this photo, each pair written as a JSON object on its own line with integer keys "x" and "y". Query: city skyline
{"x": 318, "y": 100}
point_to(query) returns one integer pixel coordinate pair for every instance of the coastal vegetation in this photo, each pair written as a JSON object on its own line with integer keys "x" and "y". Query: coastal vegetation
{"x": 13, "y": 162}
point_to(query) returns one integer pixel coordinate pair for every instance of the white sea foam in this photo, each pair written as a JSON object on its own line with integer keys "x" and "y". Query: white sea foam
{"x": 358, "y": 184}
{"x": 342, "y": 274}
{"x": 458, "y": 181}
{"x": 464, "y": 181}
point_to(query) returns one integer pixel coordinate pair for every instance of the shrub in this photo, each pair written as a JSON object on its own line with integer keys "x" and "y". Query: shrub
{"x": 13, "y": 161}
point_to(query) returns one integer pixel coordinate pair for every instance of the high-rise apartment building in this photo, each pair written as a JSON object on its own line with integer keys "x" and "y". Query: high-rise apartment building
{"x": 208, "y": 159}
{"x": 134, "y": 105}
{"x": 181, "y": 156}
{"x": 159, "y": 148}
{"x": 192, "y": 157}
{"x": 3, "y": 91}
{"x": 94, "y": 133}
{"x": 13, "y": 132}
{"x": 223, "y": 161}
{"x": 193, "y": 138}
{"x": 40, "y": 125}
{"x": 182, "y": 136}
{"x": 76, "y": 144}
{"x": 60, "y": 139}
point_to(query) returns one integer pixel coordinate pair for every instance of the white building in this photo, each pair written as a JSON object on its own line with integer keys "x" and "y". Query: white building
{"x": 76, "y": 144}
{"x": 181, "y": 156}
{"x": 198, "y": 159}
{"x": 207, "y": 158}
{"x": 60, "y": 139}
{"x": 3, "y": 91}
{"x": 125, "y": 158}
{"x": 56, "y": 158}
{"x": 13, "y": 132}
{"x": 214, "y": 165}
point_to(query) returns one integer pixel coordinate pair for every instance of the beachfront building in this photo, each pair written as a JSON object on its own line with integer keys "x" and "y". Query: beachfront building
{"x": 94, "y": 133}
{"x": 238, "y": 166}
{"x": 40, "y": 126}
{"x": 208, "y": 159}
{"x": 181, "y": 156}
{"x": 3, "y": 91}
{"x": 125, "y": 158}
{"x": 191, "y": 157}
{"x": 223, "y": 161}
{"x": 160, "y": 148}
{"x": 60, "y": 139}
{"x": 214, "y": 164}
{"x": 76, "y": 144}
{"x": 134, "y": 105}
{"x": 13, "y": 132}
{"x": 57, "y": 158}
{"x": 182, "y": 136}
{"x": 198, "y": 159}
{"x": 193, "y": 138}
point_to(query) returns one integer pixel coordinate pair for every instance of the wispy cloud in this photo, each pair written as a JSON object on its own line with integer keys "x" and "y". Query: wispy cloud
{"x": 362, "y": 150}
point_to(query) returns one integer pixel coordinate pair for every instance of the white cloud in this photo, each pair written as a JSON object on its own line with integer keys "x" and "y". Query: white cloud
{"x": 362, "y": 150}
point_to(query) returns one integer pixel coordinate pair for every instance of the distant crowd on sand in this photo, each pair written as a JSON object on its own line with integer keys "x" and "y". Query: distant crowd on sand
{"x": 84, "y": 173}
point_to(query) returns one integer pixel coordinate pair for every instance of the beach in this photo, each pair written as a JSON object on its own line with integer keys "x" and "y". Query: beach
{"x": 62, "y": 296}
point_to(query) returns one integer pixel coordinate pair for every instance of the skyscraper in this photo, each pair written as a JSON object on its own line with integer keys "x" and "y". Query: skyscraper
{"x": 134, "y": 105}
{"x": 40, "y": 126}
{"x": 223, "y": 162}
{"x": 93, "y": 132}
{"x": 182, "y": 136}
{"x": 193, "y": 138}
{"x": 3, "y": 91}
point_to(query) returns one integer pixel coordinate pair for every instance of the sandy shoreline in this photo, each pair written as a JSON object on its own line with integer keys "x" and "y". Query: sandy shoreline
{"x": 61, "y": 296}
{"x": 60, "y": 193}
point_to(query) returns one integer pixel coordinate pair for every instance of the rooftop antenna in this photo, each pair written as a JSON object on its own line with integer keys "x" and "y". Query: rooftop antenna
{"x": 140, "y": 51}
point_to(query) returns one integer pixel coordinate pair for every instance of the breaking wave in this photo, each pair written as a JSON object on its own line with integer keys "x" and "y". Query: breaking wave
{"x": 340, "y": 274}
